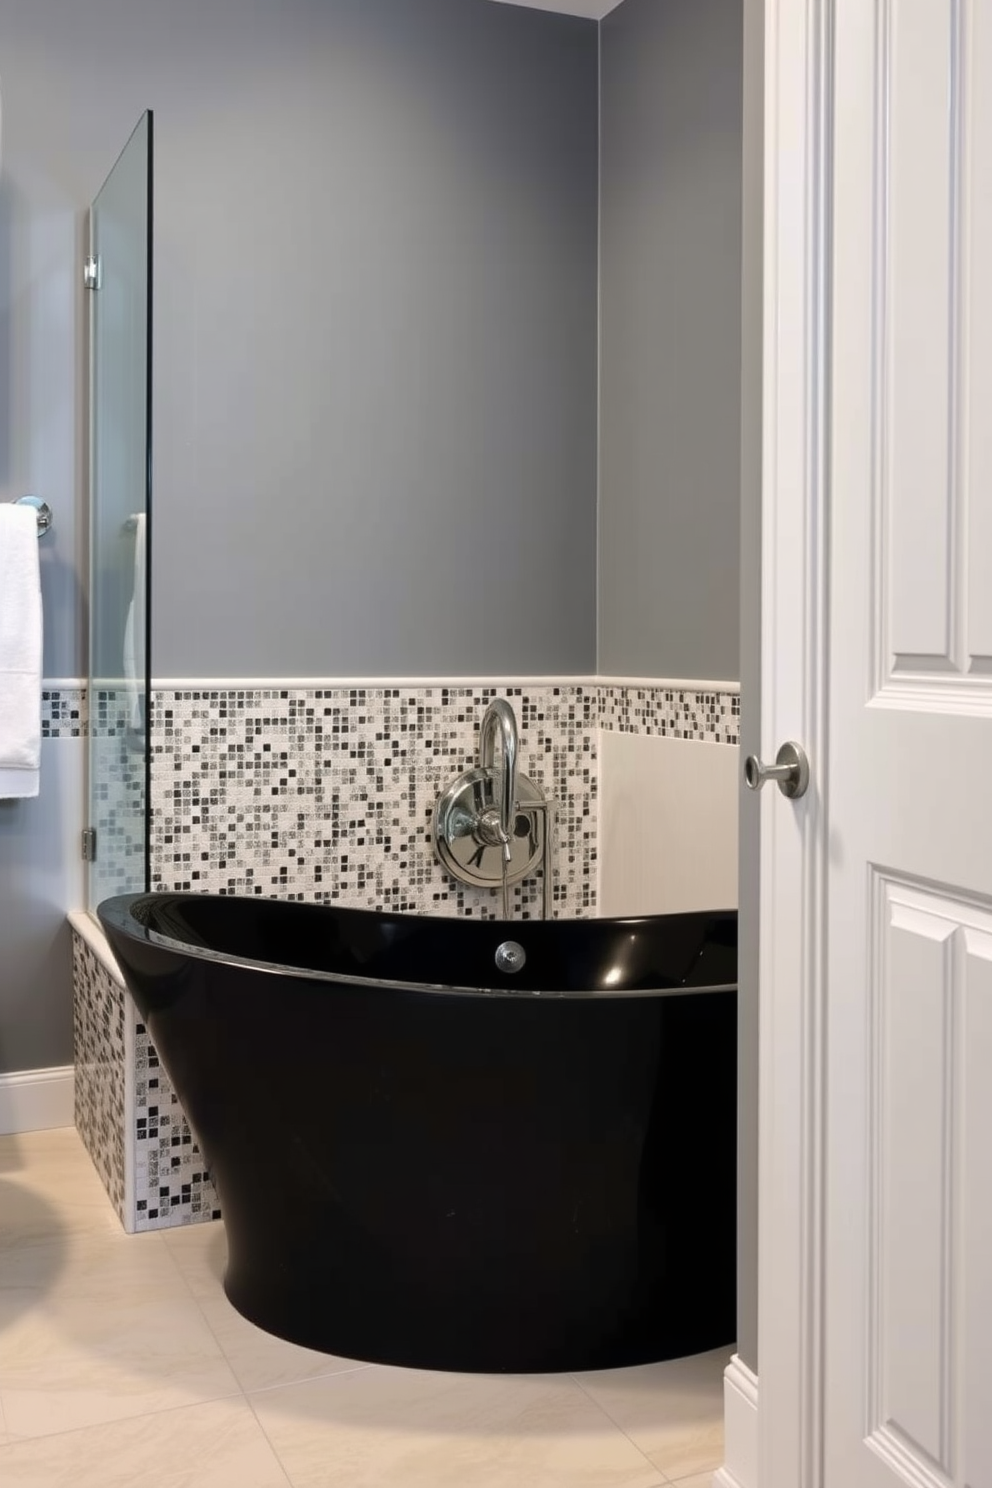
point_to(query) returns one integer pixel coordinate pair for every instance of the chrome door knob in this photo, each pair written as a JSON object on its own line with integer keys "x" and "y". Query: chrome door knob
{"x": 790, "y": 771}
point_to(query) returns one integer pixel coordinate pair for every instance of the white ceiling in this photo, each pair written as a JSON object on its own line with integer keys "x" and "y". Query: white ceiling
{"x": 594, "y": 9}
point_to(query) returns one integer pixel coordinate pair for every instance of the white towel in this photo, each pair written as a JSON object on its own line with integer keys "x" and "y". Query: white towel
{"x": 134, "y": 630}
{"x": 20, "y": 651}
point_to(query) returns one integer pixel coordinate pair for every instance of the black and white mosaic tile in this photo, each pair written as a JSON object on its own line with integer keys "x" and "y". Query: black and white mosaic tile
{"x": 118, "y": 792}
{"x": 709, "y": 717}
{"x": 171, "y": 1182}
{"x": 128, "y": 1113}
{"x": 100, "y": 1055}
{"x": 328, "y": 795}
{"x": 63, "y": 712}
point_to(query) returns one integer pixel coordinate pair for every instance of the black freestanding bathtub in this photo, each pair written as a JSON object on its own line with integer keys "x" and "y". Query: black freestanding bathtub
{"x": 424, "y": 1159}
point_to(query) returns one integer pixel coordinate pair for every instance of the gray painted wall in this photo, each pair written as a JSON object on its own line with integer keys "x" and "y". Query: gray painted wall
{"x": 750, "y": 629}
{"x": 41, "y": 877}
{"x": 375, "y": 322}
{"x": 375, "y": 434}
{"x": 375, "y": 359}
{"x": 670, "y": 289}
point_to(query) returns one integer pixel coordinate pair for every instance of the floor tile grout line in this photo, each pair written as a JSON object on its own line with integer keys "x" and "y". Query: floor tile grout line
{"x": 589, "y": 1395}
{"x": 666, "y": 1479}
{"x": 206, "y": 1321}
{"x": 599, "y": 1406}
{"x": 661, "y": 1482}
{"x": 263, "y": 1389}
{"x": 17, "y": 1439}
{"x": 272, "y": 1446}
{"x": 158, "y": 1245}
{"x": 310, "y": 1379}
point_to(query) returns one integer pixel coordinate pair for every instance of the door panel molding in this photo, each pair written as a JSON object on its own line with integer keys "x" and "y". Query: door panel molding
{"x": 914, "y": 988}
{"x": 930, "y": 1033}
{"x": 932, "y": 614}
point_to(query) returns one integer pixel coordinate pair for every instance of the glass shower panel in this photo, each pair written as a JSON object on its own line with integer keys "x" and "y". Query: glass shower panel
{"x": 120, "y": 280}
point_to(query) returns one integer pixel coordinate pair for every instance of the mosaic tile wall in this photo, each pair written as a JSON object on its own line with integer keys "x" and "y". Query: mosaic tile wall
{"x": 127, "y": 1112}
{"x": 328, "y": 795}
{"x": 171, "y": 1182}
{"x": 117, "y": 753}
{"x": 63, "y": 712}
{"x": 100, "y": 1040}
{"x": 709, "y": 717}
{"x": 117, "y": 762}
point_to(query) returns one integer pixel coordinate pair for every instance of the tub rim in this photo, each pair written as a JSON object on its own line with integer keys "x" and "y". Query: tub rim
{"x": 116, "y": 911}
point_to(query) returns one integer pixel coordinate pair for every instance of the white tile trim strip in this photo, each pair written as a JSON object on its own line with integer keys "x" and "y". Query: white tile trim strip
{"x": 36, "y": 1100}
{"x": 740, "y": 1421}
{"x": 324, "y": 684}
{"x": 366, "y": 684}
{"x": 88, "y": 928}
{"x": 669, "y": 684}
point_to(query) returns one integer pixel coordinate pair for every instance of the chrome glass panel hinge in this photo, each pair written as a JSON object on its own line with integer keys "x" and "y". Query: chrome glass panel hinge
{"x": 89, "y": 844}
{"x": 91, "y": 273}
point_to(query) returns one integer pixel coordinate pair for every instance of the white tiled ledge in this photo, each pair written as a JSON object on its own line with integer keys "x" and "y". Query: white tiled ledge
{"x": 332, "y": 684}
{"x": 668, "y": 684}
{"x": 603, "y": 679}
{"x": 88, "y": 928}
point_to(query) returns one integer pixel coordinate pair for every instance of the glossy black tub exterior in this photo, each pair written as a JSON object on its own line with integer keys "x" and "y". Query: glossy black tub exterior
{"x": 533, "y": 1172}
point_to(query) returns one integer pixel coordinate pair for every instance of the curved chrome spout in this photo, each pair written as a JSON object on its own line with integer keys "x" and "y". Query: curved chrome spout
{"x": 499, "y": 718}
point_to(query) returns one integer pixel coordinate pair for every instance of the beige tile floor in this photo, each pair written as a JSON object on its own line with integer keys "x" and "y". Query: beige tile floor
{"x": 122, "y": 1363}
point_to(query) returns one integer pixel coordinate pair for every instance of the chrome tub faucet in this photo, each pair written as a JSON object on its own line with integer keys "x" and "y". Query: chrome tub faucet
{"x": 493, "y": 826}
{"x": 499, "y": 719}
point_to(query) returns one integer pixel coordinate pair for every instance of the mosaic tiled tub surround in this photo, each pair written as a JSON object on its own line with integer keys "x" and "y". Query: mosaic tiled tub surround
{"x": 100, "y": 1042}
{"x": 708, "y": 717}
{"x": 127, "y": 1113}
{"x": 328, "y": 795}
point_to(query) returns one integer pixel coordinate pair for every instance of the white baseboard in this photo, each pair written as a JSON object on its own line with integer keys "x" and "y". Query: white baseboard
{"x": 740, "y": 1423}
{"x": 36, "y": 1100}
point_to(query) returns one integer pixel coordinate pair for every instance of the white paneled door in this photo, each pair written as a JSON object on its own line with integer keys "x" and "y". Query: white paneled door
{"x": 876, "y": 1190}
{"x": 908, "y": 1283}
